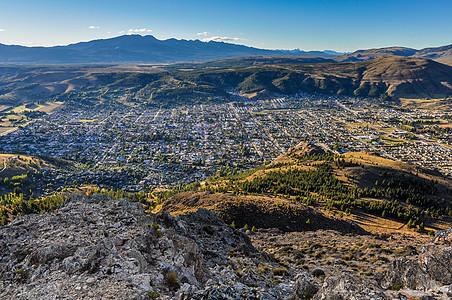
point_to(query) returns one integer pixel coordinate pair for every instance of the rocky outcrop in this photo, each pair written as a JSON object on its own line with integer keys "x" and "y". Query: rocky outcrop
{"x": 430, "y": 271}
{"x": 348, "y": 287}
{"x": 305, "y": 287}
{"x": 103, "y": 248}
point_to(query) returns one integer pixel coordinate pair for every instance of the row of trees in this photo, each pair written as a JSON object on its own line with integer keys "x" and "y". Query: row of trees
{"x": 401, "y": 197}
{"x": 12, "y": 205}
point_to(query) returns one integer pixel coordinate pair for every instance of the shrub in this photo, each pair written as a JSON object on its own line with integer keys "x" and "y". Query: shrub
{"x": 279, "y": 271}
{"x": 318, "y": 272}
{"x": 172, "y": 279}
{"x": 208, "y": 229}
{"x": 397, "y": 287}
{"x": 232, "y": 254}
{"x": 262, "y": 269}
{"x": 155, "y": 226}
{"x": 153, "y": 295}
{"x": 319, "y": 254}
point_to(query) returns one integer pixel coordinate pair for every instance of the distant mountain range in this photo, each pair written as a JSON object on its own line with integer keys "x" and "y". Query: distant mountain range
{"x": 140, "y": 49}
{"x": 135, "y": 49}
{"x": 210, "y": 70}
{"x": 442, "y": 54}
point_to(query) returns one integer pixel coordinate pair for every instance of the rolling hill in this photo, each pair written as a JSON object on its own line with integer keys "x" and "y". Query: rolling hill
{"x": 442, "y": 54}
{"x": 248, "y": 61}
{"x": 394, "y": 76}
{"x": 307, "y": 182}
{"x": 368, "y": 54}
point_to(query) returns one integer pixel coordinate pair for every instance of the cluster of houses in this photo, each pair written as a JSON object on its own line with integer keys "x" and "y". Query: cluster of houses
{"x": 134, "y": 148}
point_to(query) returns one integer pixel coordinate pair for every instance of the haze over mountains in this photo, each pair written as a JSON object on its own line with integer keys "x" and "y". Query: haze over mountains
{"x": 139, "y": 49}
{"x": 148, "y": 49}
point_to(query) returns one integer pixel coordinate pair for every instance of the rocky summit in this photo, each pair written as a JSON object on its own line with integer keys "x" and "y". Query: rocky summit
{"x": 97, "y": 247}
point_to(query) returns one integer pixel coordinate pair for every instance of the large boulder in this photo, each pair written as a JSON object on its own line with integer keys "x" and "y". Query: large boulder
{"x": 431, "y": 270}
{"x": 348, "y": 287}
{"x": 305, "y": 287}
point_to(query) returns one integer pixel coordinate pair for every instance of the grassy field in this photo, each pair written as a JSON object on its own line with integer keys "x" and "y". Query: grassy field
{"x": 10, "y": 120}
{"x": 13, "y": 164}
{"x": 15, "y": 116}
{"x": 46, "y": 107}
{"x": 87, "y": 121}
{"x": 377, "y": 224}
{"x": 431, "y": 104}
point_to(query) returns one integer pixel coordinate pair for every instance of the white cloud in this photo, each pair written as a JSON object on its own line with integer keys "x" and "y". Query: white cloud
{"x": 223, "y": 39}
{"x": 93, "y": 27}
{"x": 138, "y": 30}
{"x": 2, "y": 30}
{"x": 205, "y": 33}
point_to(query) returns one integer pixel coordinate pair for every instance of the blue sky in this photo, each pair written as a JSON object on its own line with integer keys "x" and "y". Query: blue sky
{"x": 341, "y": 25}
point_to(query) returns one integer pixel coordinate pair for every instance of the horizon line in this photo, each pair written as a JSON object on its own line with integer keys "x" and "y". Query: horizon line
{"x": 228, "y": 42}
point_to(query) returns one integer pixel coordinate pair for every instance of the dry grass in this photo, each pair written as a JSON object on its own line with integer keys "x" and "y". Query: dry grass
{"x": 365, "y": 255}
{"x": 46, "y": 107}
{"x": 279, "y": 271}
{"x": 4, "y": 107}
{"x": 18, "y": 164}
{"x": 6, "y": 130}
{"x": 430, "y": 104}
{"x": 172, "y": 279}
{"x": 6, "y": 122}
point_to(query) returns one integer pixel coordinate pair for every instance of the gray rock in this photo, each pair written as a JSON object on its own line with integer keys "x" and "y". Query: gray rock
{"x": 47, "y": 254}
{"x": 443, "y": 237}
{"x": 90, "y": 280}
{"x": 99, "y": 247}
{"x": 445, "y": 291}
{"x": 305, "y": 288}
{"x": 348, "y": 287}
{"x": 80, "y": 251}
{"x": 415, "y": 295}
{"x": 431, "y": 270}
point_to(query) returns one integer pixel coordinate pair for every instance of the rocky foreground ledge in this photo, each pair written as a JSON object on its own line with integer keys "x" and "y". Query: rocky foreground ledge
{"x": 95, "y": 247}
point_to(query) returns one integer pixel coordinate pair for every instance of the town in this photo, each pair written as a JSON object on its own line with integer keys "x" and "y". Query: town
{"x": 136, "y": 148}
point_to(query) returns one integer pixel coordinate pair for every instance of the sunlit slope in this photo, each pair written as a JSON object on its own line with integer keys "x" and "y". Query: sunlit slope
{"x": 391, "y": 77}
{"x": 377, "y": 193}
